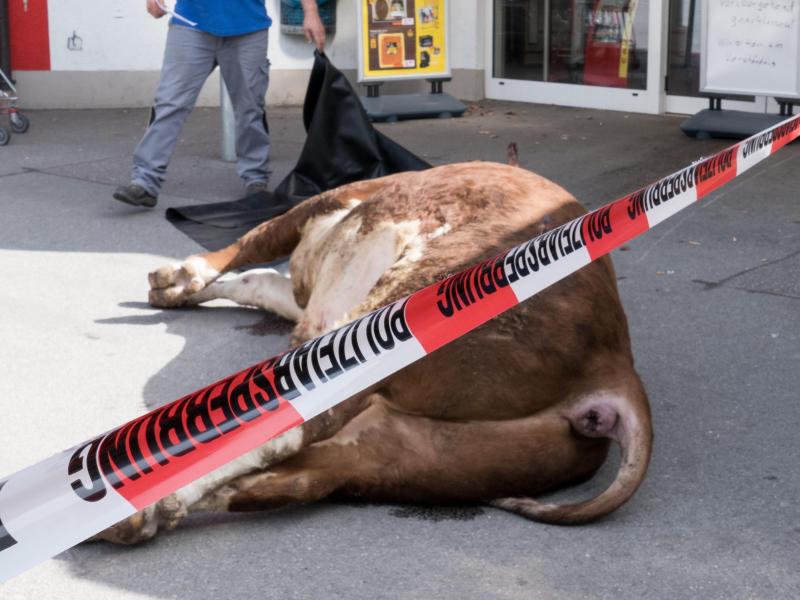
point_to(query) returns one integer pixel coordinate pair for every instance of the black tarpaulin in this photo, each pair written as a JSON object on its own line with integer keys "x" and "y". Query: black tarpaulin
{"x": 341, "y": 147}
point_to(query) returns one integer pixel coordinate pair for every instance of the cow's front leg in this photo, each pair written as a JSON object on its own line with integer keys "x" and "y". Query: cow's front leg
{"x": 173, "y": 285}
{"x": 167, "y": 513}
{"x": 197, "y": 496}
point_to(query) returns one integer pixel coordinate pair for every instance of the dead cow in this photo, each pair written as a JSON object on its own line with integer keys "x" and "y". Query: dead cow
{"x": 524, "y": 404}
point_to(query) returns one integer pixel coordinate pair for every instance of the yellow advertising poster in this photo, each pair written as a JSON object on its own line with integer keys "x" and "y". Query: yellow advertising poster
{"x": 402, "y": 39}
{"x": 627, "y": 38}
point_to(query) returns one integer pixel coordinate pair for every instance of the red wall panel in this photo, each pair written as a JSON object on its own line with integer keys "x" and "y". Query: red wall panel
{"x": 30, "y": 35}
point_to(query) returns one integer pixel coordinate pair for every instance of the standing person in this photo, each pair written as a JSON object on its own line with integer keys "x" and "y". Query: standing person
{"x": 232, "y": 34}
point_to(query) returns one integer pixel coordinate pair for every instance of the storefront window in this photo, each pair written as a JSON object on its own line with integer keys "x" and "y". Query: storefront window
{"x": 588, "y": 42}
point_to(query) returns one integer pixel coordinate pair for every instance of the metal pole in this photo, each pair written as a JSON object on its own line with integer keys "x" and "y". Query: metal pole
{"x": 228, "y": 123}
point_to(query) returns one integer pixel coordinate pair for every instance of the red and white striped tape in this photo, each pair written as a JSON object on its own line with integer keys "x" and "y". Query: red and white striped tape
{"x": 59, "y": 502}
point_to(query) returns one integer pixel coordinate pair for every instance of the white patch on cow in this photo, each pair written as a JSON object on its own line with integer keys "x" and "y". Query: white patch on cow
{"x": 439, "y": 232}
{"x": 350, "y": 264}
{"x": 309, "y": 252}
{"x": 258, "y": 459}
{"x": 266, "y": 289}
{"x": 410, "y": 244}
{"x": 415, "y": 247}
{"x": 316, "y": 230}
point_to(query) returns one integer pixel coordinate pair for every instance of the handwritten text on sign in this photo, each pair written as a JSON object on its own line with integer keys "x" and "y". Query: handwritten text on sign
{"x": 751, "y": 47}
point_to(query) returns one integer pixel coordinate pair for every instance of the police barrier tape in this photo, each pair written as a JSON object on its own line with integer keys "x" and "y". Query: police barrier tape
{"x": 67, "y": 498}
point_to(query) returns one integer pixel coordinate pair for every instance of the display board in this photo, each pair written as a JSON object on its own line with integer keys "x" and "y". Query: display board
{"x": 751, "y": 47}
{"x": 402, "y": 39}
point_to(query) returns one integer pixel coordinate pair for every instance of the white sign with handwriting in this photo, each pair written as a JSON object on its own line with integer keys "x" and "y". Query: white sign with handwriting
{"x": 751, "y": 47}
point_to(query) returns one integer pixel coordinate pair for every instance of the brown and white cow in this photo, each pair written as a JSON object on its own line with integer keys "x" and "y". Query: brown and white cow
{"x": 524, "y": 404}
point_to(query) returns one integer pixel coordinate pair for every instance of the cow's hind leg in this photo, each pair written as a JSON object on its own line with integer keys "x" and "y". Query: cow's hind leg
{"x": 389, "y": 456}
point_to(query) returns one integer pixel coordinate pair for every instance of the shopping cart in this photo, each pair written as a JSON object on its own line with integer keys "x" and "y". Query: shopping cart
{"x": 8, "y": 105}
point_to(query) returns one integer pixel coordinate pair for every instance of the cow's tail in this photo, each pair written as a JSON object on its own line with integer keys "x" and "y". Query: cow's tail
{"x": 623, "y": 417}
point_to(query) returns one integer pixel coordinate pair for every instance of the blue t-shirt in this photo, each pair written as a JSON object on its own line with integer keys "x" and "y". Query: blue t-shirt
{"x": 224, "y": 17}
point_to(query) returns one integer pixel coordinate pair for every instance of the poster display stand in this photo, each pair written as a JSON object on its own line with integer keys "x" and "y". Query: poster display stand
{"x": 400, "y": 40}
{"x": 714, "y": 122}
{"x": 749, "y": 48}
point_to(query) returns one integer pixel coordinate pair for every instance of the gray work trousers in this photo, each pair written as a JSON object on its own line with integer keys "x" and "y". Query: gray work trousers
{"x": 189, "y": 58}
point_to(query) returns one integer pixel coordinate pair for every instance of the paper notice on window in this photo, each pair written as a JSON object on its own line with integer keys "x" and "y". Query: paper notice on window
{"x": 751, "y": 47}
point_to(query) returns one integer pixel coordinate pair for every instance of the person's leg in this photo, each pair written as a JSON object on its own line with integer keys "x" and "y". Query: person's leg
{"x": 188, "y": 60}
{"x": 245, "y": 68}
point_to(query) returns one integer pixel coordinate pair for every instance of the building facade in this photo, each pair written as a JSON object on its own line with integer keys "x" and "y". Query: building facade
{"x": 629, "y": 55}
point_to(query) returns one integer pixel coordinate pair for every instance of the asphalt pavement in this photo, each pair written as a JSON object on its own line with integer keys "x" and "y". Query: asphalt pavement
{"x": 712, "y": 296}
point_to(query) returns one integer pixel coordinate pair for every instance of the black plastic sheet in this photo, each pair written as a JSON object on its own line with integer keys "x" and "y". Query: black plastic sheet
{"x": 341, "y": 147}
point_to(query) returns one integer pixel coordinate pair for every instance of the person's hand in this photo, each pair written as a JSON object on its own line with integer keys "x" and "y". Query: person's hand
{"x": 312, "y": 24}
{"x": 154, "y": 9}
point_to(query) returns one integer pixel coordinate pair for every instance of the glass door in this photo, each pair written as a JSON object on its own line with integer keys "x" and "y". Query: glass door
{"x": 590, "y": 53}
{"x": 683, "y": 63}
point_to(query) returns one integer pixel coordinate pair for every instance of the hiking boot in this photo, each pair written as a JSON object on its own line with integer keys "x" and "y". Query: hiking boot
{"x": 135, "y": 195}
{"x": 254, "y": 187}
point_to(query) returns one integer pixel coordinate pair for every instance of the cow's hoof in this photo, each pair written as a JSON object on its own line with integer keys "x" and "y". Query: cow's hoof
{"x": 134, "y": 530}
{"x": 164, "y": 515}
{"x": 171, "y": 511}
{"x": 173, "y": 285}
